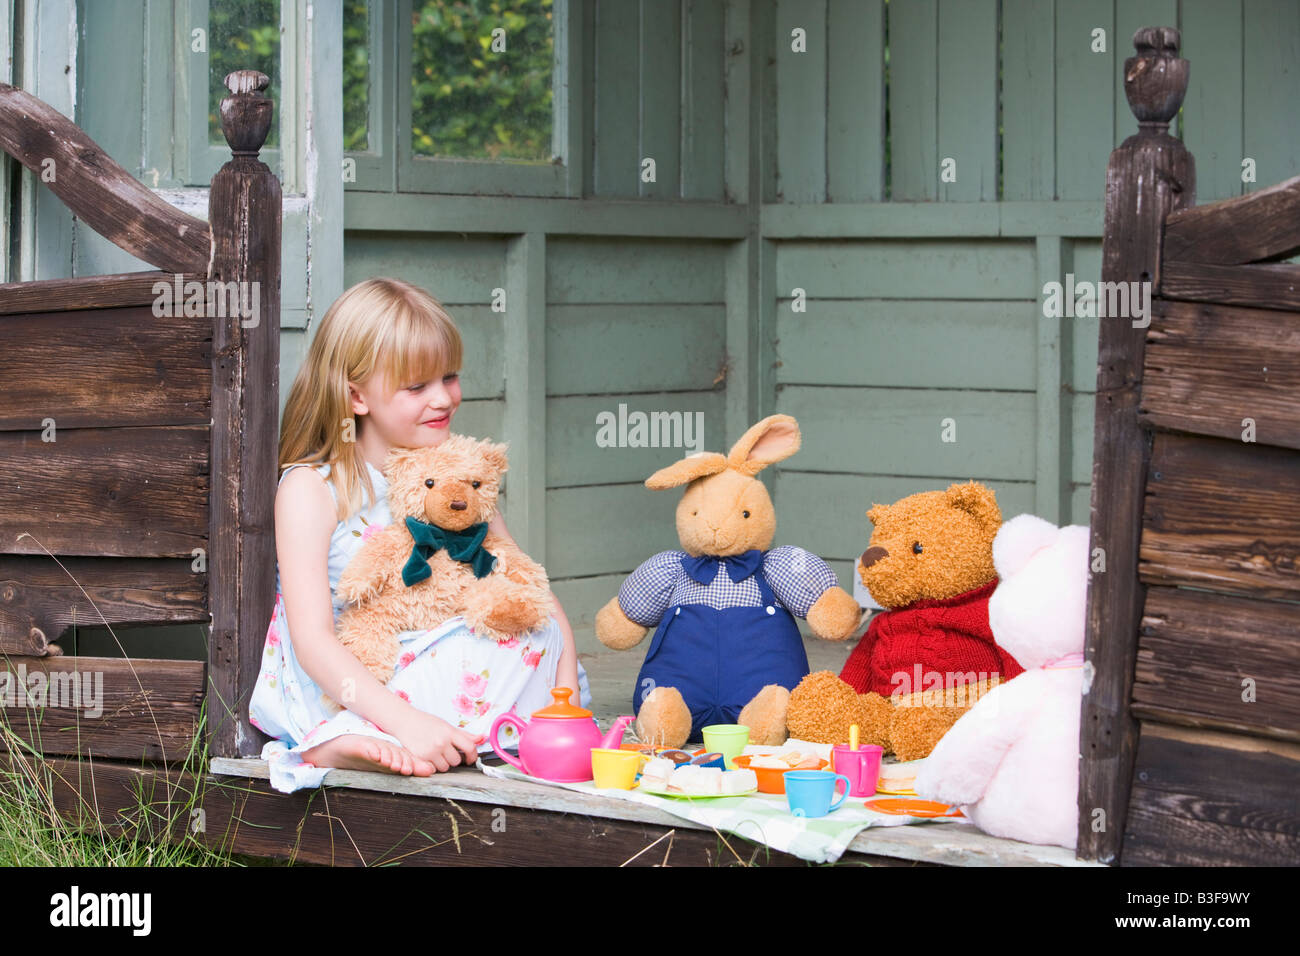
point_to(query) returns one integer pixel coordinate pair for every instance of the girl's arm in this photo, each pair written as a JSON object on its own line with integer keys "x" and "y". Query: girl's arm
{"x": 567, "y": 674}
{"x": 305, "y": 518}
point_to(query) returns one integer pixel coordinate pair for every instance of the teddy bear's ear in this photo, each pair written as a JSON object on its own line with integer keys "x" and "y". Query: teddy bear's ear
{"x": 686, "y": 470}
{"x": 399, "y": 459}
{"x": 773, "y": 439}
{"x": 495, "y": 455}
{"x": 1018, "y": 539}
{"x": 876, "y": 513}
{"x": 979, "y": 501}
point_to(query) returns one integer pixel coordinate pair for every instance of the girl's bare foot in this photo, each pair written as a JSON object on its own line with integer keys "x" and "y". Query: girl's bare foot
{"x": 358, "y": 752}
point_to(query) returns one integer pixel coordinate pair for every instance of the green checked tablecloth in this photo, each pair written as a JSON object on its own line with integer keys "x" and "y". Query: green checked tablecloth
{"x": 763, "y": 818}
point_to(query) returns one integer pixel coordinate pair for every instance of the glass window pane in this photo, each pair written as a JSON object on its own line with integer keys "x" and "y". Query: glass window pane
{"x": 356, "y": 76}
{"x": 242, "y": 35}
{"x": 479, "y": 96}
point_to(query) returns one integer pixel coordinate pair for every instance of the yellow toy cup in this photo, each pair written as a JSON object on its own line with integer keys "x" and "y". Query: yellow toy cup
{"x": 614, "y": 769}
{"x": 730, "y": 740}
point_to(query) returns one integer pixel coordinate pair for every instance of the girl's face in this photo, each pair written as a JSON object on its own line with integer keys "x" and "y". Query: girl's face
{"x": 418, "y": 415}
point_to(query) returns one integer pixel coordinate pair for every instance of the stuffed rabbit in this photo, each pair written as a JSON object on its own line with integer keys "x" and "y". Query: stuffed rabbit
{"x": 726, "y": 648}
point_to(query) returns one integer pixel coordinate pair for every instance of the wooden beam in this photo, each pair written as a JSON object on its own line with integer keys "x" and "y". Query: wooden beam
{"x": 955, "y": 845}
{"x": 1199, "y": 804}
{"x": 110, "y": 492}
{"x": 1052, "y": 410}
{"x": 1208, "y": 660}
{"x": 87, "y": 292}
{"x": 1211, "y": 369}
{"x": 1275, "y": 286}
{"x": 1193, "y": 537}
{"x": 108, "y": 198}
{"x": 102, "y": 706}
{"x": 1149, "y": 175}
{"x": 50, "y": 594}
{"x": 109, "y": 367}
{"x": 244, "y": 209}
{"x": 524, "y": 418}
{"x": 1259, "y": 227}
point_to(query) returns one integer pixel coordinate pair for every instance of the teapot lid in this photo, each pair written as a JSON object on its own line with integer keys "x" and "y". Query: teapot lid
{"x": 561, "y": 708}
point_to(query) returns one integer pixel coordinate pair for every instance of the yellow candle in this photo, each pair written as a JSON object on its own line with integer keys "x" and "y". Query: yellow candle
{"x": 853, "y": 737}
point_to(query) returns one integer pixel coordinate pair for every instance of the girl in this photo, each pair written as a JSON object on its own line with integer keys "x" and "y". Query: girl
{"x": 382, "y": 371}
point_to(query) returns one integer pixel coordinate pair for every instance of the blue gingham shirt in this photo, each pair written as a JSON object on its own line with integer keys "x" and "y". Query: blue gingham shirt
{"x": 797, "y": 578}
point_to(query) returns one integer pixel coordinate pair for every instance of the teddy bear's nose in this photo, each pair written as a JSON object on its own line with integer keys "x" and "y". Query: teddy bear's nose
{"x": 872, "y": 555}
{"x": 458, "y": 506}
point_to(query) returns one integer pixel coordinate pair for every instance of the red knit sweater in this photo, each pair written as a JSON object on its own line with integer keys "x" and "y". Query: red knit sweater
{"x": 949, "y": 637}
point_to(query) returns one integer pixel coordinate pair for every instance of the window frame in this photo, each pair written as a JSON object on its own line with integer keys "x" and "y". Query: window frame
{"x": 499, "y": 177}
{"x": 198, "y": 159}
{"x": 375, "y": 166}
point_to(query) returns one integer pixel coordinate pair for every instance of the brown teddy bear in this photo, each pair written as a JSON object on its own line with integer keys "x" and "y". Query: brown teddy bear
{"x": 726, "y": 648}
{"x": 925, "y": 660}
{"x": 438, "y": 559}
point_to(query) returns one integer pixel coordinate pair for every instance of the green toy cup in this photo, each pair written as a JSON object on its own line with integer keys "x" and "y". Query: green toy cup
{"x": 730, "y": 740}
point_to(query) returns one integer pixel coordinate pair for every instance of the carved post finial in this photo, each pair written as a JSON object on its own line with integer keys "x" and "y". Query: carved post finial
{"x": 1155, "y": 81}
{"x": 246, "y": 113}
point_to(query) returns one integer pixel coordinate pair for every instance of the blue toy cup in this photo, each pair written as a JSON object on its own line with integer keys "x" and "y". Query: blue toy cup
{"x": 809, "y": 792}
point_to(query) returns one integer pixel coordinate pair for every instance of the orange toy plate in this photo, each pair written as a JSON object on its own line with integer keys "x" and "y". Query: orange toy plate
{"x": 913, "y": 808}
{"x": 771, "y": 779}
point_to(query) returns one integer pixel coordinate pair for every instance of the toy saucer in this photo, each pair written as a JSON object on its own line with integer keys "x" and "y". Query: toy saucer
{"x": 912, "y": 808}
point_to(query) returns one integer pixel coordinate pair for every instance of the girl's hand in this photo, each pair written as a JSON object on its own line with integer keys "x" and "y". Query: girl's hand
{"x": 437, "y": 741}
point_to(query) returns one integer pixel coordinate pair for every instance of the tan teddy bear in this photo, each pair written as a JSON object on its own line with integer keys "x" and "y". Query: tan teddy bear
{"x": 925, "y": 660}
{"x": 438, "y": 559}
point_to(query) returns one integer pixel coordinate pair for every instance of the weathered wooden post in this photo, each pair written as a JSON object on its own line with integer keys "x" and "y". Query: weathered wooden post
{"x": 244, "y": 210}
{"x": 1150, "y": 175}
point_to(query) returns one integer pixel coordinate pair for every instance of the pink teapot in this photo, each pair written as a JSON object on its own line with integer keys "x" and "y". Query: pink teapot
{"x": 556, "y": 743}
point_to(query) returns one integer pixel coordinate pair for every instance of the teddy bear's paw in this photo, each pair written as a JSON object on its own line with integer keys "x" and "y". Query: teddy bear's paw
{"x": 664, "y": 718}
{"x": 915, "y": 730}
{"x": 615, "y": 629}
{"x": 512, "y": 614}
{"x": 835, "y": 616}
{"x": 823, "y": 707}
{"x": 765, "y": 716}
{"x": 354, "y": 589}
{"x": 948, "y": 781}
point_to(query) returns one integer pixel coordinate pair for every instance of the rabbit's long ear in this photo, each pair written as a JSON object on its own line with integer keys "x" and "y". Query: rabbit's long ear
{"x": 686, "y": 470}
{"x": 773, "y": 439}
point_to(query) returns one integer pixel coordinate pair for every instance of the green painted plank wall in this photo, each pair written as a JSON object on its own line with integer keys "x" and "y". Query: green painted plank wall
{"x": 633, "y": 326}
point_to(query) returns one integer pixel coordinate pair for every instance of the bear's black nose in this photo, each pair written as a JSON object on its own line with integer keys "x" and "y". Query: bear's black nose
{"x": 872, "y": 555}
{"x": 458, "y": 506}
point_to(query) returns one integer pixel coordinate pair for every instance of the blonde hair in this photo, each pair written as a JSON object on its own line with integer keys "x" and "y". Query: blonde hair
{"x": 382, "y": 326}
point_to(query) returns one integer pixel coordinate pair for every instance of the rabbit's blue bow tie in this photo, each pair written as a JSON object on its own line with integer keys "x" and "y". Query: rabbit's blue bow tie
{"x": 463, "y": 546}
{"x": 739, "y": 566}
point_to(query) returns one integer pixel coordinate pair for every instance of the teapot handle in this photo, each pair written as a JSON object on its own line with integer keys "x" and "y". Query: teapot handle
{"x": 507, "y": 718}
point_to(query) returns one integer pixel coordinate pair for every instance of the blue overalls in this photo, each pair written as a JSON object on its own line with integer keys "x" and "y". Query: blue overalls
{"x": 719, "y": 659}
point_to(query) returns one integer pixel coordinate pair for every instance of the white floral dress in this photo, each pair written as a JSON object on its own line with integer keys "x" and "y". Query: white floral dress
{"x": 448, "y": 671}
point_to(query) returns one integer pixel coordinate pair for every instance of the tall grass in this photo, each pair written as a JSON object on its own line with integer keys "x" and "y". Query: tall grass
{"x": 156, "y": 828}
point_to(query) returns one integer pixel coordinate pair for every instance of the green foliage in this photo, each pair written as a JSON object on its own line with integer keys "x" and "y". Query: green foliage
{"x": 356, "y": 76}
{"x": 468, "y": 101}
{"x": 242, "y": 35}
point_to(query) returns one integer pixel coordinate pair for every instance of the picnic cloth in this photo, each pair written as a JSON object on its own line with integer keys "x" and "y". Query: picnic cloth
{"x": 762, "y": 817}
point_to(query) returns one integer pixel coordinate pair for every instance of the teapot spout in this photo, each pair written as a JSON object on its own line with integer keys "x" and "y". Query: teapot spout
{"x": 614, "y": 739}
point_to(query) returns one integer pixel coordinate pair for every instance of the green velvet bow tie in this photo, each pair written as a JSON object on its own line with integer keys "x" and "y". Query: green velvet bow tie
{"x": 463, "y": 546}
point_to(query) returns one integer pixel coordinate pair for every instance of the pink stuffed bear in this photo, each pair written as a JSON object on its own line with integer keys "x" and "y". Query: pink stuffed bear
{"x": 1012, "y": 761}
